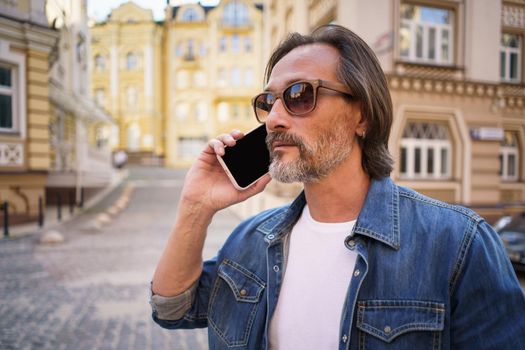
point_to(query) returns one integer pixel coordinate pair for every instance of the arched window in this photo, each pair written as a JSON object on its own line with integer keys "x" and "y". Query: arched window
{"x": 235, "y": 14}
{"x": 190, "y": 15}
{"x": 131, "y": 61}
{"x": 509, "y": 156}
{"x": 426, "y": 151}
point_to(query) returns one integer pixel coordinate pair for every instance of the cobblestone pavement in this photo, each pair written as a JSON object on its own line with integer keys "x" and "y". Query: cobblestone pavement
{"x": 92, "y": 291}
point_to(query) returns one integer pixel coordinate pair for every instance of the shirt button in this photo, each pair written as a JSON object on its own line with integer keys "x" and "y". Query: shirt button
{"x": 387, "y": 329}
{"x": 351, "y": 244}
{"x": 243, "y": 292}
{"x": 356, "y": 273}
{"x": 276, "y": 268}
{"x": 271, "y": 236}
{"x": 344, "y": 338}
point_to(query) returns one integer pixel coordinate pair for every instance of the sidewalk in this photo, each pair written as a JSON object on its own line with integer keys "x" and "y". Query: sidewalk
{"x": 51, "y": 220}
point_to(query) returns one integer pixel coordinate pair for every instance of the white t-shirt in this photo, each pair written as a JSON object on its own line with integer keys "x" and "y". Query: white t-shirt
{"x": 318, "y": 272}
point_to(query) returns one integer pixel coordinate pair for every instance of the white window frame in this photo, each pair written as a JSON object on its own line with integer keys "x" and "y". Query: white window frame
{"x": 506, "y": 152}
{"x": 425, "y": 26}
{"x": 10, "y": 91}
{"x": 17, "y": 62}
{"x": 437, "y": 146}
{"x": 507, "y": 52}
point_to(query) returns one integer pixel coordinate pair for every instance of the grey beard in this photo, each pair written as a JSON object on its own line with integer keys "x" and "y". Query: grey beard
{"x": 315, "y": 162}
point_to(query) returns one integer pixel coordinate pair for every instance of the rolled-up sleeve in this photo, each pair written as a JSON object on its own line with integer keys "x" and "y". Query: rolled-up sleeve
{"x": 173, "y": 308}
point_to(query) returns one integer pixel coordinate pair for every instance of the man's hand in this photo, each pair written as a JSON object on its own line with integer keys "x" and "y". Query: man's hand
{"x": 207, "y": 189}
{"x": 208, "y": 185}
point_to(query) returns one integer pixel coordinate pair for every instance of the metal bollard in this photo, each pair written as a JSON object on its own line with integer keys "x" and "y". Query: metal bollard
{"x": 71, "y": 202}
{"x": 40, "y": 212}
{"x": 5, "y": 208}
{"x": 59, "y": 207}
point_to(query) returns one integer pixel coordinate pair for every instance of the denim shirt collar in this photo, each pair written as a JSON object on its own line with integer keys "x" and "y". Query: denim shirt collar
{"x": 378, "y": 219}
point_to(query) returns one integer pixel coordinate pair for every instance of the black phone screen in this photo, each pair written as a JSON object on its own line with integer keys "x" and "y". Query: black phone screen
{"x": 249, "y": 159}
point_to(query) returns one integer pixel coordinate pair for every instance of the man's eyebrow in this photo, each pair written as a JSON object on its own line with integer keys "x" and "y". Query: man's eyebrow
{"x": 286, "y": 83}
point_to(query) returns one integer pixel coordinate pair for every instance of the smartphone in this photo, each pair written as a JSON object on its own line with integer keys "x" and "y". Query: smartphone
{"x": 248, "y": 160}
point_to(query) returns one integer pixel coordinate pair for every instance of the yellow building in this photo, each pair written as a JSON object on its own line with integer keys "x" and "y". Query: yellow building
{"x": 455, "y": 71}
{"x": 127, "y": 67}
{"x": 25, "y": 44}
{"x": 213, "y": 63}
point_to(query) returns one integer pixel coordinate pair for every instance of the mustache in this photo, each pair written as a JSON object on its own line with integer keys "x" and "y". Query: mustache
{"x": 286, "y": 138}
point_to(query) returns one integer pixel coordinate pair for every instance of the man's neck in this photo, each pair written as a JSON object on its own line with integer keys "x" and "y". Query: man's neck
{"x": 340, "y": 196}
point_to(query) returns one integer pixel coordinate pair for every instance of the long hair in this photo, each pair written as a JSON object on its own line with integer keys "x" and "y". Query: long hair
{"x": 361, "y": 72}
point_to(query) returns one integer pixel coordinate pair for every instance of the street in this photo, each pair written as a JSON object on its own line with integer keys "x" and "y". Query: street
{"x": 92, "y": 290}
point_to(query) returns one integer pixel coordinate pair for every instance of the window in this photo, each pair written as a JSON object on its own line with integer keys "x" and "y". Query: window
{"x": 235, "y": 111}
{"x": 131, "y": 96}
{"x": 222, "y": 44}
{"x": 425, "y": 151}
{"x": 190, "y": 15}
{"x": 190, "y": 54}
{"x": 199, "y": 79}
{"x": 510, "y": 57}
{"x": 222, "y": 79}
{"x": 100, "y": 97}
{"x": 100, "y": 63}
{"x": 131, "y": 61}
{"x": 236, "y": 43}
{"x": 235, "y": 14}
{"x": 509, "y": 157}
{"x": 183, "y": 79}
{"x": 182, "y": 110}
{"x": 191, "y": 147}
{"x": 248, "y": 77}
{"x": 179, "y": 49}
{"x": 6, "y": 98}
{"x": 426, "y": 34}
{"x": 248, "y": 46}
{"x": 223, "y": 111}
{"x": 134, "y": 137}
{"x": 236, "y": 76}
{"x": 201, "y": 112}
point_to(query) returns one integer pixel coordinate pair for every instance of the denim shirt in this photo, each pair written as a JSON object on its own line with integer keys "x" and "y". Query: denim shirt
{"x": 429, "y": 275}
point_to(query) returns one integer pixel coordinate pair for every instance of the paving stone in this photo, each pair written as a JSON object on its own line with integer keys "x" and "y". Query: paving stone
{"x": 91, "y": 291}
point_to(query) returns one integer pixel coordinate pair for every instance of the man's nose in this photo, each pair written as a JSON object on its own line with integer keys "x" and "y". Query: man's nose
{"x": 278, "y": 118}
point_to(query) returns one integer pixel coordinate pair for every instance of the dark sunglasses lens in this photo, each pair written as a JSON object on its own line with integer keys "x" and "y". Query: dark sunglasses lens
{"x": 299, "y": 98}
{"x": 263, "y": 104}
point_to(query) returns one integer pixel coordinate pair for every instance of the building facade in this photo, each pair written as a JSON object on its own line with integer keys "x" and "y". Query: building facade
{"x": 79, "y": 129}
{"x": 213, "y": 60}
{"x": 127, "y": 69}
{"x": 455, "y": 71}
{"x": 25, "y": 44}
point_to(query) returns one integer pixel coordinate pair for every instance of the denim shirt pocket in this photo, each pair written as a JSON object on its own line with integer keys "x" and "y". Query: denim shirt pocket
{"x": 400, "y": 324}
{"x": 233, "y": 303}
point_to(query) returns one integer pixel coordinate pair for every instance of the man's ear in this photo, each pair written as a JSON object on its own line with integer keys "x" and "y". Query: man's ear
{"x": 361, "y": 128}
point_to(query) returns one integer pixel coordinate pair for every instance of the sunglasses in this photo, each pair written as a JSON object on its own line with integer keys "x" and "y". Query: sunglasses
{"x": 298, "y": 98}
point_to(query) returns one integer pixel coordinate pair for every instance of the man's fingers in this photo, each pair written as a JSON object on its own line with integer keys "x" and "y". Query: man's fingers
{"x": 218, "y": 144}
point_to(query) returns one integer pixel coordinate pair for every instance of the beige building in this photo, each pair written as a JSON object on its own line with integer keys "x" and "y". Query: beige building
{"x": 455, "y": 70}
{"x": 79, "y": 129}
{"x": 127, "y": 71}
{"x": 25, "y": 44}
{"x": 213, "y": 59}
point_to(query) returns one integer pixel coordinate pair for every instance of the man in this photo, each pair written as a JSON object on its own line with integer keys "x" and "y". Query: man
{"x": 355, "y": 262}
